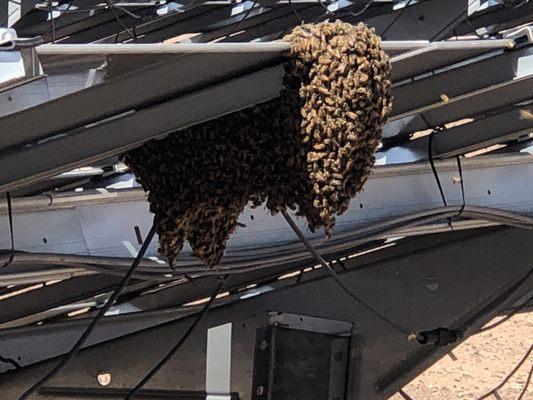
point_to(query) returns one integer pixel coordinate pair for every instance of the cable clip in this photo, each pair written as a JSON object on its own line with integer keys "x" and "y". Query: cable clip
{"x": 440, "y": 336}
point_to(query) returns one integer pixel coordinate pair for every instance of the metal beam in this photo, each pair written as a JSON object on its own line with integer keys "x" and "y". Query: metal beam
{"x": 72, "y": 24}
{"x": 451, "y": 285}
{"x": 278, "y": 277}
{"x": 468, "y": 105}
{"x": 178, "y": 49}
{"x": 67, "y": 222}
{"x": 170, "y": 79}
{"x": 199, "y": 19}
{"x": 4, "y": 14}
{"x": 481, "y": 133}
{"x": 473, "y": 47}
{"x": 438, "y": 55}
{"x": 426, "y": 91}
{"x": 495, "y": 19}
{"x": 85, "y": 109}
{"x": 51, "y": 296}
{"x": 119, "y": 135}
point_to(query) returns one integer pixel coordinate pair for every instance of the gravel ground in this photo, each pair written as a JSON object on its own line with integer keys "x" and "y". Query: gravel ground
{"x": 482, "y": 363}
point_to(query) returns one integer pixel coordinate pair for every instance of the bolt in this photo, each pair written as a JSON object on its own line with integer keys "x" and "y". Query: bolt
{"x": 104, "y": 378}
{"x": 432, "y": 284}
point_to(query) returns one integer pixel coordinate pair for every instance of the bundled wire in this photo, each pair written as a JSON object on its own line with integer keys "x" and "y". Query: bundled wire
{"x": 510, "y": 375}
{"x": 243, "y": 261}
{"x": 507, "y": 317}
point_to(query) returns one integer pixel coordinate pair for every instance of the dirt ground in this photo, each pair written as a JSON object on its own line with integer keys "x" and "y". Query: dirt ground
{"x": 482, "y": 363}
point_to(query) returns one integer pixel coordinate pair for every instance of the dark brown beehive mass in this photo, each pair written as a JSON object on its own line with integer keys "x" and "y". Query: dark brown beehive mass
{"x": 310, "y": 150}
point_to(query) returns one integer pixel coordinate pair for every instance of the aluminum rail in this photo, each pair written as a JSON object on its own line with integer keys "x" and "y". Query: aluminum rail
{"x": 25, "y": 278}
{"x": 196, "y": 48}
{"x": 71, "y": 222}
{"x": 62, "y": 200}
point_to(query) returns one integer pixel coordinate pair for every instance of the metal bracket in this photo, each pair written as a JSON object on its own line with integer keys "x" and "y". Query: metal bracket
{"x": 293, "y": 364}
{"x": 7, "y": 38}
{"x": 520, "y": 33}
{"x": 310, "y": 324}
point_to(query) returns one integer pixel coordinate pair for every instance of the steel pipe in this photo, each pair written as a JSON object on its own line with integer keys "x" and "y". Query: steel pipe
{"x": 258, "y": 47}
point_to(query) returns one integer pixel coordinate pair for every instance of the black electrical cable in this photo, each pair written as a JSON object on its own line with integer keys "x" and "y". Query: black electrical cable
{"x": 460, "y": 168}
{"x": 270, "y": 256}
{"x": 526, "y": 384}
{"x": 507, "y": 317}
{"x": 112, "y": 7}
{"x": 295, "y": 12}
{"x": 52, "y": 21}
{"x": 77, "y": 346}
{"x": 245, "y": 16}
{"x": 391, "y": 24}
{"x": 342, "y": 12}
{"x": 11, "y": 232}
{"x": 509, "y": 376}
{"x": 404, "y": 395}
{"x": 126, "y": 11}
{"x": 455, "y": 21}
{"x": 436, "y": 175}
{"x": 338, "y": 280}
{"x": 461, "y": 179}
{"x": 328, "y": 12}
{"x": 362, "y": 10}
{"x": 180, "y": 342}
{"x": 433, "y": 168}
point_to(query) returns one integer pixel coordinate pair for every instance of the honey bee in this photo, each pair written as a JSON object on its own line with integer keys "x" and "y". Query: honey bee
{"x": 310, "y": 150}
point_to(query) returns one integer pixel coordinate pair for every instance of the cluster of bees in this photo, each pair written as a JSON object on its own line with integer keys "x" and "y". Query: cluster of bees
{"x": 310, "y": 150}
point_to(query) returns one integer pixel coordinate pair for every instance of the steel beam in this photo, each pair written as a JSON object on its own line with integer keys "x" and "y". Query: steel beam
{"x": 439, "y": 55}
{"x": 85, "y": 110}
{"x": 476, "y": 135}
{"x": 57, "y": 302}
{"x": 199, "y": 19}
{"x": 4, "y": 14}
{"x": 176, "y": 21}
{"x": 501, "y": 66}
{"x": 495, "y": 19}
{"x": 76, "y": 24}
{"x": 51, "y": 296}
{"x": 172, "y": 78}
{"x": 276, "y": 47}
{"x": 188, "y": 291}
{"x": 122, "y": 134}
{"x": 461, "y": 284}
{"x": 96, "y": 223}
{"x": 272, "y": 23}
{"x": 469, "y": 105}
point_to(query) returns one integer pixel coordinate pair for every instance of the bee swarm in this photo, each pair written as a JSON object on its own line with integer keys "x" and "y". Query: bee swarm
{"x": 309, "y": 150}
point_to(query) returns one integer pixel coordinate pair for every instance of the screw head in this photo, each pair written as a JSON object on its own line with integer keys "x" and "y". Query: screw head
{"x": 104, "y": 378}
